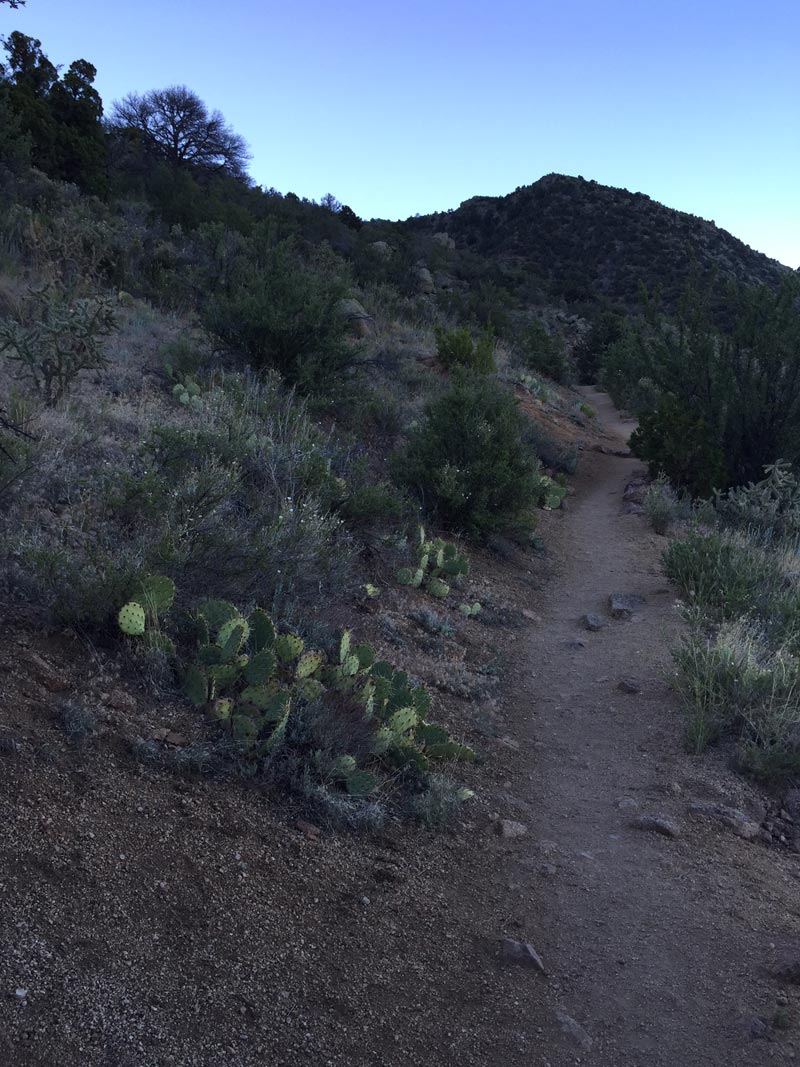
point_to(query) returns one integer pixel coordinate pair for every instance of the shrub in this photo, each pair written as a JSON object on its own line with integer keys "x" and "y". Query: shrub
{"x": 723, "y": 576}
{"x": 771, "y": 505}
{"x": 469, "y": 462}
{"x": 678, "y": 441}
{"x": 734, "y": 682}
{"x": 60, "y": 339}
{"x": 283, "y": 313}
{"x": 456, "y": 348}
{"x": 544, "y": 354}
{"x": 661, "y": 504}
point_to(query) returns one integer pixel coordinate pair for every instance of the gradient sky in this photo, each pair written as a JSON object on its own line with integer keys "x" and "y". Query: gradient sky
{"x": 399, "y": 108}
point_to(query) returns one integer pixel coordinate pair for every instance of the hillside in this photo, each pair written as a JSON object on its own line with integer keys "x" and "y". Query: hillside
{"x": 587, "y": 242}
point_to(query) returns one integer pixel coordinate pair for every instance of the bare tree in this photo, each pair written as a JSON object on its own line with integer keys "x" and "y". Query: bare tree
{"x": 13, "y": 3}
{"x": 177, "y": 124}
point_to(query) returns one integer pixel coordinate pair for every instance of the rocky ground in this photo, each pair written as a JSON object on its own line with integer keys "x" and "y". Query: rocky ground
{"x": 606, "y": 900}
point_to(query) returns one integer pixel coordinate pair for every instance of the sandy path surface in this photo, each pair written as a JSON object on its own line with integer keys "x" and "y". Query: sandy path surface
{"x": 658, "y": 947}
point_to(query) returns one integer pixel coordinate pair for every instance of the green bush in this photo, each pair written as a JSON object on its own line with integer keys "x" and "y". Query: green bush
{"x": 469, "y": 462}
{"x": 543, "y": 353}
{"x": 678, "y": 441}
{"x": 456, "y": 348}
{"x": 282, "y": 312}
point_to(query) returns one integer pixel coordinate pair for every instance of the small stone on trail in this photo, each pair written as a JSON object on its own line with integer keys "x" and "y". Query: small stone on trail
{"x": 510, "y": 828}
{"x": 623, "y": 605}
{"x": 574, "y": 1030}
{"x": 593, "y": 622}
{"x": 627, "y": 685}
{"x": 658, "y": 824}
{"x": 627, "y": 804}
{"x": 731, "y": 817}
{"x": 522, "y": 952}
{"x": 576, "y": 646}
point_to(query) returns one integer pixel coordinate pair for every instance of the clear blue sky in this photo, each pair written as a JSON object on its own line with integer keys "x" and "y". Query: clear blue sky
{"x": 404, "y": 107}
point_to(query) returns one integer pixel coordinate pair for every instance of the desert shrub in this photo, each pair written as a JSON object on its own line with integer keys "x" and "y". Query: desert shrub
{"x": 282, "y": 312}
{"x": 725, "y": 577}
{"x": 662, "y": 505}
{"x": 59, "y": 339}
{"x": 553, "y": 453}
{"x": 678, "y": 441}
{"x": 468, "y": 460}
{"x": 771, "y": 505}
{"x": 543, "y": 353}
{"x": 440, "y": 802}
{"x": 372, "y": 503}
{"x": 456, "y": 348}
{"x": 735, "y": 682}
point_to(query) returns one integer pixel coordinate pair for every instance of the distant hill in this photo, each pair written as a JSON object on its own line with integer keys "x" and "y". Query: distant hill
{"x": 588, "y": 242}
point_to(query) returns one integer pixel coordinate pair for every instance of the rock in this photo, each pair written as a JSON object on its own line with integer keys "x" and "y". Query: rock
{"x": 547, "y": 870}
{"x": 657, "y": 824}
{"x": 522, "y": 952}
{"x": 593, "y": 622}
{"x": 445, "y": 240}
{"x": 45, "y": 673}
{"x": 120, "y": 700}
{"x": 574, "y": 1030}
{"x": 382, "y": 249}
{"x": 510, "y": 828}
{"x": 627, "y": 685}
{"x": 307, "y": 828}
{"x": 623, "y": 605}
{"x": 20, "y": 993}
{"x": 576, "y": 646}
{"x": 531, "y": 616}
{"x": 357, "y": 317}
{"x": 424, "y": 280}
{"x": 759, "y": 1029}
{"x": 731, "y": 817}
{"x": 627, "y": 804}
{"x": 445, "y": 281}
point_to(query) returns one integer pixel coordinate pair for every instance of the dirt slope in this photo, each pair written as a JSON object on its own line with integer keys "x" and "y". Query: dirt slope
{"x": 659, "y": 947}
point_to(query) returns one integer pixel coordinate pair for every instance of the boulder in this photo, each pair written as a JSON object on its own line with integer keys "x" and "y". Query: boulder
{"x": 357, "y": 317}
{"x": 424, "y": 280}
{"x": 445, "y": 240}
{"x": 382, "y": 249}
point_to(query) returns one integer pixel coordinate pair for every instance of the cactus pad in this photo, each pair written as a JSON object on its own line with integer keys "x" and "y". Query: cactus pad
{"x": 308, "y": 664}
{"x": 342, "y": 767}
{"x": 344, "y": 646}
{"x": 438, "y": 588}
{"x": 217, "y": 613}
{"x": 260, "y": 667}
{"x": 131, "y": 619}
{"x": 288, "y": 647}
{"x": 365, "y": 655}
{"x": 360, "y": 784}
{"x": 195, "y": 686}
{"x": 156, "y": 593}
{"x": 262, "y": 630}
{"x": 402, "y": 721}
{"x": 232, "y": 635}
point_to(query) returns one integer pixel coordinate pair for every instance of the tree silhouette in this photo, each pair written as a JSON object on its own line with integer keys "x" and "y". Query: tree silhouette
{"x": 176, "y": 124}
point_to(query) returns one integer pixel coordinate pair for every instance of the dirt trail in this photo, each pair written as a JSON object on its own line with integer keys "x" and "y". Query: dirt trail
{"x": 659, "y": 947}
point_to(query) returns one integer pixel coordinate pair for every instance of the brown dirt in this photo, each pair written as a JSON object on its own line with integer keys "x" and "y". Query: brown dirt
{"x": 157, "y": 920}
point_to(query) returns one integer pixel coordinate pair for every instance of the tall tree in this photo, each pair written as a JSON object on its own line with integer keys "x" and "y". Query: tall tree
{"x": 62, "y": 116}
{"x": 176, "y": 124}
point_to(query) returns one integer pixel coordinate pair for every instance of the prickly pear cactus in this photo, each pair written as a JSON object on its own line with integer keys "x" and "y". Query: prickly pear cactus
{"x": 131, "y": 619}
{"x": 262, "y": 630}
{"x": 438, "y": 588}
{"x": 156, "y": 594}
{"x": 195, "y": 686}
{"x": 308, "y": 664}
{"x": 360, "y": 784}
{"x": 288, "y": 647}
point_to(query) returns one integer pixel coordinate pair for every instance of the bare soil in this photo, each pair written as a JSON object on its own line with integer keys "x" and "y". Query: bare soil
{"x": 148, "y": 919}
